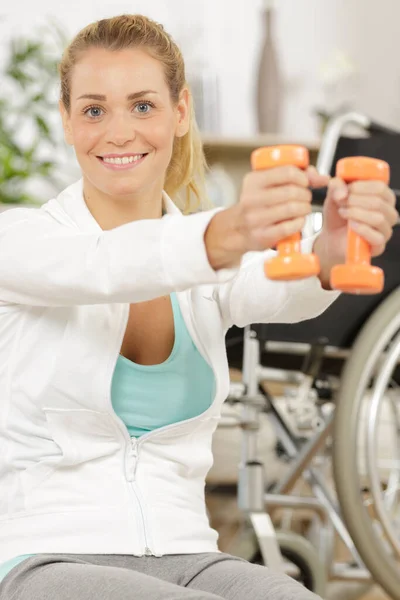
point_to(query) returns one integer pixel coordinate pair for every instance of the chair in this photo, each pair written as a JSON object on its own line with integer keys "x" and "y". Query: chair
{"x": 344, "y": 364}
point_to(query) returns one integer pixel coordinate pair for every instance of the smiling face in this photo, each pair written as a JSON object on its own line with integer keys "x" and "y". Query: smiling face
{"x": 122, "y": 122}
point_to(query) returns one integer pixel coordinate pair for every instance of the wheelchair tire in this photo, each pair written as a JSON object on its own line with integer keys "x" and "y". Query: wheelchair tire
{"x": 299, "y": 551}
{"x": 367, "y": 348}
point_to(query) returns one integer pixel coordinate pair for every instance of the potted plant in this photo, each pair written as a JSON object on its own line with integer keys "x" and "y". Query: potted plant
{"x": 28, "y": 103}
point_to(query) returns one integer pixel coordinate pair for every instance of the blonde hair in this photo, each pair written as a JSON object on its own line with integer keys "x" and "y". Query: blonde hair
{"x": 186, "y": 171}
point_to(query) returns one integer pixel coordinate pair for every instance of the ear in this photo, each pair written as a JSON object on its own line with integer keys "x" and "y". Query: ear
{"x": 183, "y": 113}
{"x": 66, "y": 123}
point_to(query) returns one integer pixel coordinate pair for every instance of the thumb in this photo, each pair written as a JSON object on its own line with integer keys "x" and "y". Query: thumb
{"x": 315, "y": 179}
{"x": 338, "y": 191}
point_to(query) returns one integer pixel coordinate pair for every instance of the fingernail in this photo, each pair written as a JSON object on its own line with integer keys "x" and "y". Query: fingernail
{"x": 339, "y": 194}
{"x": 354, "y": 225}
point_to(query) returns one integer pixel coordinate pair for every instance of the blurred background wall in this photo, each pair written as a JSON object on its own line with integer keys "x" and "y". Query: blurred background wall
{"x": 361, "y": 35}
{"x": 327, "y": 54}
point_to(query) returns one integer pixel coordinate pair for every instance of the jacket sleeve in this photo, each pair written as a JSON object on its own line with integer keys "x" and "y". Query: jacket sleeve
{"x": 249, "y": 297}
{"x": 45, "y": 262}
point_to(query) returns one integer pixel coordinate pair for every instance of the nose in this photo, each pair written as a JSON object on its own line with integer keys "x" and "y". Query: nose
{"x": 120, "y": 130}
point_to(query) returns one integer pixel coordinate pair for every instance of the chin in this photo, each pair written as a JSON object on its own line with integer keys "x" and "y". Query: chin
{"x": 115, "y": 186}
{"x": 123, "y": 188}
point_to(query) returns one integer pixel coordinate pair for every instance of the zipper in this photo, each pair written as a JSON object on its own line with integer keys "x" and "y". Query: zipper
{"x": 134, "y": 455}
{"x": 147, "y": 543}
{"x": 131, "y": 443}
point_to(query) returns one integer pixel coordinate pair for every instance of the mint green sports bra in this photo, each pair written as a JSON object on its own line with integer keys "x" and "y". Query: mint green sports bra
{"x": 147, "y": 397}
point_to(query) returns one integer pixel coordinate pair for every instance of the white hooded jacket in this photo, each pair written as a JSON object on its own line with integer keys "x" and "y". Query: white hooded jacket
{"x": 71, "y": 478}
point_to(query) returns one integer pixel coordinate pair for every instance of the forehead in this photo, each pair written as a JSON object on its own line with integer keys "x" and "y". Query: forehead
{"x": 106, "y": 71}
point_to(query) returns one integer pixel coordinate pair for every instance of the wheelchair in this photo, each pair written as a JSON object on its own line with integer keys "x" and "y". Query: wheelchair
{"x": 337, "y": 422}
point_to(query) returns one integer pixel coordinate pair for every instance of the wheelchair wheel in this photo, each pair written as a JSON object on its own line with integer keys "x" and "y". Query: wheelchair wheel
{"x": 366, "y": 444}
{"x": 301, "y": 561}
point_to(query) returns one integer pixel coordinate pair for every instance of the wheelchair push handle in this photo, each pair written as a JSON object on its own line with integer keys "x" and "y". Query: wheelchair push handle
{"x": 290, "y": 263}
{"x": 357, "y": 275}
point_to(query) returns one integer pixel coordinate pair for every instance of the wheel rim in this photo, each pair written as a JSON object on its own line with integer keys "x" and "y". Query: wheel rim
{"x": 368, "y": 347}
{"x": 381, "y": 506}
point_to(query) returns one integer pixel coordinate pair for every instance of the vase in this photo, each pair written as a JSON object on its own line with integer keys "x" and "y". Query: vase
{"x": 269, "y": 80}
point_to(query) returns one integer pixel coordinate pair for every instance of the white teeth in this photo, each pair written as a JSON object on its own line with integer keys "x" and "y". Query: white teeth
{"x": 124, "y": 160}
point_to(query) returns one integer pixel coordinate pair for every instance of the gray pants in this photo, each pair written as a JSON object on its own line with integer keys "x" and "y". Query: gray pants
{"x": 207, "y": 576}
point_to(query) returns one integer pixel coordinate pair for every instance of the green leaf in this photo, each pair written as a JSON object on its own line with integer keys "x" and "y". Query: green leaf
{"x": 43, "y": 127}
{"x": 31, "y": 66}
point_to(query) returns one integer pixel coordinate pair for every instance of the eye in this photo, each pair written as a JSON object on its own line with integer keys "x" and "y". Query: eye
{"x": 144, "y": 107}
{"x": 93, "y": 111}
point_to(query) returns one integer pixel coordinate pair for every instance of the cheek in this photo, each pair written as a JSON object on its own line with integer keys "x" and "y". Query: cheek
{"x": 85, "y": 137}
{"x": 162, "y": 135}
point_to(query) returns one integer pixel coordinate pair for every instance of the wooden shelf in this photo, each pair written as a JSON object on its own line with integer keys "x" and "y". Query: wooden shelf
{"x": 246, "y": 145}
{"x": 234, "y": 153}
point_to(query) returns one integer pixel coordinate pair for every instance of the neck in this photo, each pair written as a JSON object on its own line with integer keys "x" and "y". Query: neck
{"x": 114, "y": 211}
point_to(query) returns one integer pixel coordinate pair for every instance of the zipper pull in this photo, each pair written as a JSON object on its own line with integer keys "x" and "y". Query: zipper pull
{"x": 134, "y": 448}
{"x": 134, "y": 454}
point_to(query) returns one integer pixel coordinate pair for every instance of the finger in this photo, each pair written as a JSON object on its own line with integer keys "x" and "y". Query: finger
{"x": 378, "y": 250}
{"x": 273, "y": 177}
{"x": 277, "y": 195}
{"x": 338, "y": 191}
{"x": 265, "y": 217}
{"x": 372, "y": 236}
{"x": 372, "y": 219}
{"x": 375, "y": 204}
{"x": 315, "y": 179}
{"x": 374, "y": 188}
{"x": 270, "y": 236}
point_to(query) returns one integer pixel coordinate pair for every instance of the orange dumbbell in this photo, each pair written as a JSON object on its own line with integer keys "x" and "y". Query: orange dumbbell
{"x": 290, "y": 263}
{"x": 357, "y": 275}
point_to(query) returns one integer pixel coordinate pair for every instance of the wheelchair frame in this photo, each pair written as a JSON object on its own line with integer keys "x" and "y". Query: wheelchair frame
{"x": 253, "y": 500}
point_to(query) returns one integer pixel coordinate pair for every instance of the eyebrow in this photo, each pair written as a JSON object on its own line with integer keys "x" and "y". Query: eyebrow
{"x": 102, "y": 98}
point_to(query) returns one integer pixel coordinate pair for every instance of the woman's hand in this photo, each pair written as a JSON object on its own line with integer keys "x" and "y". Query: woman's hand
{"x": 368, "y": 207}
{"x": 273, "y": 205}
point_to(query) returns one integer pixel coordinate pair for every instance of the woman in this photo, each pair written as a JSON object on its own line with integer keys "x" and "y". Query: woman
{"x": 114, "y": 308}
